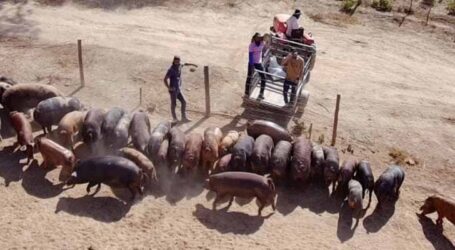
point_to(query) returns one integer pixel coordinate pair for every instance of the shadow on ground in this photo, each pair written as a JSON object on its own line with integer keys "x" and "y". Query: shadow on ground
{"x": 104, "y": 209}
{"x": 224, "y": 221}
{"x": 379, "y": 218}
{"x": 314, "y": 197}
{"x": 35, "y": 183}
{"x": 434, "y": 234}
{"x": 345, "y": 228}
{"x": 11, "y": 166}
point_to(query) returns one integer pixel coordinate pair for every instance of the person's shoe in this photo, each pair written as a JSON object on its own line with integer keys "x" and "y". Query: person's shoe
{"x": 261, "y": 97}
{"x": 185, "y": 119}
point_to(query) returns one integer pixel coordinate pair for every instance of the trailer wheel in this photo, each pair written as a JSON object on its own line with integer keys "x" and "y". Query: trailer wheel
{"x": 307, "y": 78}
{"x": 303, "y": 98}
{"x": 312, "y": 62}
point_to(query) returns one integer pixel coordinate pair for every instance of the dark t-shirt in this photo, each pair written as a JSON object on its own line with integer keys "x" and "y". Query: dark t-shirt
{"x": 174, "y": 75}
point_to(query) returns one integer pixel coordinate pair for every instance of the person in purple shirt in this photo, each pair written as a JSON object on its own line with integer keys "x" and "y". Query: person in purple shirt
{"x": 173, "y": 83}
{"x": 255, "y": 62}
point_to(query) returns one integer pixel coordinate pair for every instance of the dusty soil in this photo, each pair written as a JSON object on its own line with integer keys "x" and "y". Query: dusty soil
{"x": 397, "y": 88}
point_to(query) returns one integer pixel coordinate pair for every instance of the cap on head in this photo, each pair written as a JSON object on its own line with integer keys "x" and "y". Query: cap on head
{"x": 256, "y": 35}
{"x": 176, "y": 59}
{"x": 297, "y": 12}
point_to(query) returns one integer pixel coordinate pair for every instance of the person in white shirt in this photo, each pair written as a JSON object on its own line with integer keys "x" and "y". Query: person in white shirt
{"x": 293, "y": 23}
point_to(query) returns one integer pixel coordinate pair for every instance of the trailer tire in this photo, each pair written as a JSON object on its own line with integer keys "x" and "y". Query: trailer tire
{"x": 312, "y": 62}
{"x": 303, "y": 98}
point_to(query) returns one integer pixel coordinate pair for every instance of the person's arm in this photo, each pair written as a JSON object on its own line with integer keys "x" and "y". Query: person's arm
{"x": 166, "y": 80}
{"x": 250, "y": 57}
{"x": 284, "y": 63}
{"x": 189, "y": 64}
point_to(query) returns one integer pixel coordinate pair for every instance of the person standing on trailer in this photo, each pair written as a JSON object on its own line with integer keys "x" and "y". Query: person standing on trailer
{"x": 293, "y": 66}
{"x": 173, "y": 83}
{"x": 255, "y": 62}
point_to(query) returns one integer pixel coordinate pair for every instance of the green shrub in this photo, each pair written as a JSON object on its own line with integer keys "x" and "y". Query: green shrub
{"x": 382, "y": 5}
{"x": 451, "y": 7}
{"x": 348, "y": 5}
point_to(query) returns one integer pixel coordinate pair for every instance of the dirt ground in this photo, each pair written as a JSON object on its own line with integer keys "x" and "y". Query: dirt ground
{"x": 396, "y": 83}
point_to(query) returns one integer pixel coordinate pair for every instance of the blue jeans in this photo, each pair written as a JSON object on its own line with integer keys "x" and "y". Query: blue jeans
{"x": 286, "y": 86}
{"x": 177, "y": 94}
{"x": 251, "y": 68}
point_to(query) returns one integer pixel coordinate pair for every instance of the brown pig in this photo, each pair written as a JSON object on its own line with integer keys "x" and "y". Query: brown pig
{"x": 56, "y": 155}
{"x": 347, "y": 172}
{"x": 262, "y": 153}
{"x": 444, "y": 207}
{"x": 140, "y": 130}
{"x": 260, "y": 127}
{"x": 141, "y": 161}
{"x": 210, "y": 146}
{"x": 22, "y": 97}
{"x": 176, "y": 148}
{"x": 161, "y": 157}
{"x": 228, "y": 142}
{"x": 243, "y": 185}
{"x": 192, "y": 154}
{"x": 24, "y": 132}
{"x": 222, "y": 165}
{"x": 69, "y": 126}
{"x": 301, "y": 160}
{"x": 279, "y": 163}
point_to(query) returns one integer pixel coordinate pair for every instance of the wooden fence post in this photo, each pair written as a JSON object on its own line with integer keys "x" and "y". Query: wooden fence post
{"x": 81, "y": 67}
{"x": 207, "y": 91}
{"x": 335, "y": 121}
{"x": 140, "y": 96}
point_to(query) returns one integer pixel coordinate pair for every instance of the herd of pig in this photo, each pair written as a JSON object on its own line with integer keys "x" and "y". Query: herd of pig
{"x": 246, "y": 164}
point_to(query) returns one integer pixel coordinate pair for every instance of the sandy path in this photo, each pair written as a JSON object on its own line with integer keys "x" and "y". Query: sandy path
{"x": 396, "y": 88}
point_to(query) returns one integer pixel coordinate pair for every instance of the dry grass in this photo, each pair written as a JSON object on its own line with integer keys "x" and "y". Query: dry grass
{"x": 321, "y": 139}
{"x": 450, "y": 120}
{"x": 298, "y": 129}
{"x": 402, "y": 157}
{"x": 334, "y": 18}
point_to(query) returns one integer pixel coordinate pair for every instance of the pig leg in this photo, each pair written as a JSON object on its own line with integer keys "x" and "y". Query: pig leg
{"x": 230, "y": 202}
{"x": 439, "y": 220}
{"x": 370, "y": 192}
{"x": 45, "y": 164}
{"x": 136, "y": 187}
{"x": 44, "y": 129}
{"x": 133, "y": 193}
{"x": 217, "y": 199}
{"x": 261, "y": 206}
{"x": 29, "y": 150}
{"x": 92, "y": 184}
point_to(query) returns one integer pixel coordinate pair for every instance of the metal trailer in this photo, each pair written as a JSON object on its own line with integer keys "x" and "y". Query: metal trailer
{"x": 273, "y": 93}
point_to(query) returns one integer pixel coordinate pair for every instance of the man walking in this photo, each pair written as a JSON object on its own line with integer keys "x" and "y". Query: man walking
{"x": 173, "y": 83}
{"x": 293, "y": 66}
{"x": 255, "y": 62}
